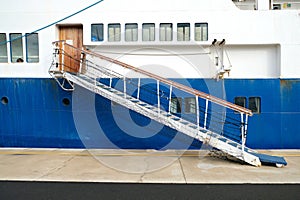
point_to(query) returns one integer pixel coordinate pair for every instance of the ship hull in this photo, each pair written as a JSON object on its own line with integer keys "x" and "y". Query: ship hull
{"x": 36, "y": 112}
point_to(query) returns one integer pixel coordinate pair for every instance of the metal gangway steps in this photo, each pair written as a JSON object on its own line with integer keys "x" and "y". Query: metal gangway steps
{"x": 98, "y": 73}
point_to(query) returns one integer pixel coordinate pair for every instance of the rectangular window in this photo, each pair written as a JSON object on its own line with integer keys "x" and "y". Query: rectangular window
{"x": 240, "y": 101}
{"x": 32, "y": 48}
{"x": 3, "y": 48}
{"x": 97, "y": 32}
{"x": 114, "y": 32}
{"x": 201, "y": 32}
{"x": 254, "y": 104}
{"x": 131, "y": 32}
{"x": 148, "y": 32}
{"x": 16, "y": 47}
{"x": 190, "y": 105}
{"x": 176, "y": 104}
{"x": 166, "y": 32}
{"x": 183, "y": 32}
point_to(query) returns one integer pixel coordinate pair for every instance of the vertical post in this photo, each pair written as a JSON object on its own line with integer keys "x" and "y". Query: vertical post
{"x": 246, "y": 128}
{"x": 139, "y": 88}
{"x": 81, "y": 62}
{"x": 63, "y": 57}
{"x": 206, "y": 110}
{"x": 170, "y": 98}
{"x": 110, "y": 78}
{"x": 124, "y": 82}
{"x": 242, "y": 132}
{"x": 110, "y": 82}
{"x": 198, "y": 113}
{"x": 158, "y": 99}
{"x": 222, "y": 58}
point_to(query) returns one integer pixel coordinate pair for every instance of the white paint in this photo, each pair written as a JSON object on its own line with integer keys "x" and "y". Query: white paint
{"x": 261, "y": 44}
{"x": 263, "y": 4}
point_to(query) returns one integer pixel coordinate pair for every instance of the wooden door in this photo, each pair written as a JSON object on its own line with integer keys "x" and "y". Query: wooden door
{"x": 73, "y": 34}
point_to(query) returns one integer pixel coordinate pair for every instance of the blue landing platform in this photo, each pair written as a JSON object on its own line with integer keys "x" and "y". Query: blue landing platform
{"x": 268, "y": 159}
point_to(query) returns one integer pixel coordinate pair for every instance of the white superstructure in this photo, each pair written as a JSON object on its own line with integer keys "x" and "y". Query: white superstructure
{"x": 256, "y": 45}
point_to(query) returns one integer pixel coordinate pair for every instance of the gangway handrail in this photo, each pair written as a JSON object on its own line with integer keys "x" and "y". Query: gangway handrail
{"x": 187, "y": 89}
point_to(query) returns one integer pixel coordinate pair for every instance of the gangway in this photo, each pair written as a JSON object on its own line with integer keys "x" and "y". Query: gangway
{"x": 93, "y": 74}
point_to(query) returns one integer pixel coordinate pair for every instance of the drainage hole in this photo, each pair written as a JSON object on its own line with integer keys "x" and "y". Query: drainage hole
{"x": 66, "y": 101}
{"x": 4, "y": 100}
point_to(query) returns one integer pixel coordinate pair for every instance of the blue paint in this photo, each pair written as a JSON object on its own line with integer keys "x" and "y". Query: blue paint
{"x": 35, "y": 115}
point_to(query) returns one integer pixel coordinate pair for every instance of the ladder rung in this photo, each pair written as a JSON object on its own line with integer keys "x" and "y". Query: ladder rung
{"x": 233, "y": 144}
{"x": 223, "y": 139}
{"x": 204, "y": 131}
{"x": 167, "y": 114}
{"x": 193, "y": 126}
{"x": 184, "y": 122}
{"x": 175, "y": 118}
{"x": 134, "y": 100}
{"x": 150, "y": 107}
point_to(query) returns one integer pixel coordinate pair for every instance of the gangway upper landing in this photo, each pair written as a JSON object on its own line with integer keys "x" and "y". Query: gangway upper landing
{"x": 94, "y": 72}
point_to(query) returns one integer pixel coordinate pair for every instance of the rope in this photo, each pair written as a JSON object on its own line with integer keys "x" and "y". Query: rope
{"x": 56, "y": 22}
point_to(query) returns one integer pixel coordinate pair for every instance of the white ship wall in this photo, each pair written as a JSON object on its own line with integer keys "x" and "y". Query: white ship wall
{"x": 260, "y": 44}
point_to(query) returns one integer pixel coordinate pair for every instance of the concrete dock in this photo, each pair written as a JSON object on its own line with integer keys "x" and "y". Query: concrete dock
{"x": 141, "y": 166}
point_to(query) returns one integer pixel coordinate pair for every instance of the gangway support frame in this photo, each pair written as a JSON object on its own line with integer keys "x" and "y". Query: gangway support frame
{"x": 87, "y": 78}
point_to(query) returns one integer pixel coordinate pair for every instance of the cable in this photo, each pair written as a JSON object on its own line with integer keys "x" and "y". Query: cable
{"x": 56, "y": 22}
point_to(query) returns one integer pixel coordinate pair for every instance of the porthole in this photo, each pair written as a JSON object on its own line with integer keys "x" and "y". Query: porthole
{"x": 4, "y": 100}
{"x": 66, "y": 101}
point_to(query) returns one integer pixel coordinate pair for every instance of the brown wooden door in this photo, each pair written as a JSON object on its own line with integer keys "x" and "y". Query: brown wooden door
{"x": 72, "y": 34}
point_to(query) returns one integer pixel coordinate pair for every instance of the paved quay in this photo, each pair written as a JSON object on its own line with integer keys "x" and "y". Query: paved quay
{"x": 140, "y": 166}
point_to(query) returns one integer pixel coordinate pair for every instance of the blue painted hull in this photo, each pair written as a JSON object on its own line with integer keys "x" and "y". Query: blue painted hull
{"x": 38, "y": 113}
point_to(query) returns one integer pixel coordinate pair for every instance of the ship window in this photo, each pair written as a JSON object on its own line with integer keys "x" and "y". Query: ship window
{"x": 3, "y": 48}
{"x": 32, "y": 48}
{"x": 240, "y": 101}
{"x": 148, "y": 32}
{"x": 97, "y": 32}
{"x": 131, "y": 32}
{"x": 114, "y": 32}
{"x": 201, "y": 32}
{"x": 16, "y": 46}
{"x": 254, "y": 104}
{"x": 183, "y": 32}
{"x": 165, "y": 32}
{"x": 190, "y": 105}
{"x": 176, "y": 104}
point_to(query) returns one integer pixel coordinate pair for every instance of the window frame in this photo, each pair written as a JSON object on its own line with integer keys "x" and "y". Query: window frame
{"x": 129, "y": 32}
{"x": 176, "y": 103}
{"x": 241, "y": 97}
{"x": 190, "y": 105}
{"x": 202, "y": 37}
{"x": 29, "y": 58}
{"x": 13, "y": 42}
{"x": 97, "y": 37}
{"x": 116, "y": 27}
{"x": 144, "y": 28}
{"x": 183, "y": 34}
{"x": 257, "y": 110}
{"x": 3, "y": 48}
{"x": 245, "y": 102}
{"x": 163, "y": 27}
